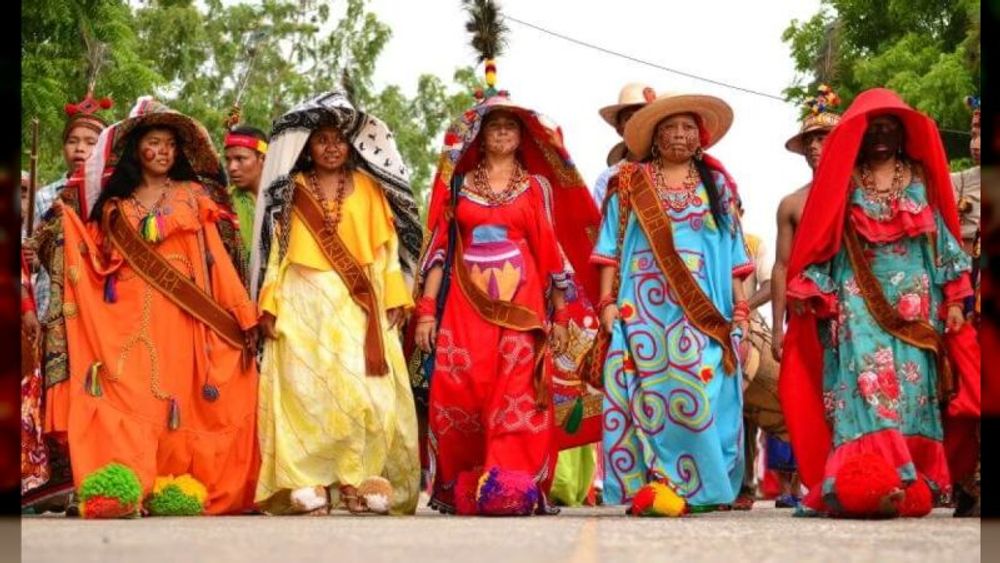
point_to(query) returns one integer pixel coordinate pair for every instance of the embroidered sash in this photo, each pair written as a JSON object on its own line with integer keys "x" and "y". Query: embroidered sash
{"x": 655, "y": 223}
{"x": 507, "y": 315}
{"x": 916, "y": 333}
{"x": 350, "y": 271}
{"x": 180, "y": 289}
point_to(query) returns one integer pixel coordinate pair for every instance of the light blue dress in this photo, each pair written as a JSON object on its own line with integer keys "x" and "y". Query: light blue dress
{"x": 670, "y": 411}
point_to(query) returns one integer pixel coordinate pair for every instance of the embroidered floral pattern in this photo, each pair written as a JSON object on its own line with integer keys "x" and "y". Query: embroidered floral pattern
{"x": 879, "y": 385}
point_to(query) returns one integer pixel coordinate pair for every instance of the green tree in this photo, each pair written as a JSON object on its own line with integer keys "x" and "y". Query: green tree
{"x": 192, "y": 55}
{"x": 926, "y": 50}
{"x": 54, "y": 66}
{"x": 297, "y": 50}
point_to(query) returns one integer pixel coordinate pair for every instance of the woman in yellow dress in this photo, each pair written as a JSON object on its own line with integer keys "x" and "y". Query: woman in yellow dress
{"x": 336, "y": 234}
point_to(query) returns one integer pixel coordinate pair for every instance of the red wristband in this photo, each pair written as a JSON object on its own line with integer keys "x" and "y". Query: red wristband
{"x": 604, "y": 302}
{"x": 426, "y": 307}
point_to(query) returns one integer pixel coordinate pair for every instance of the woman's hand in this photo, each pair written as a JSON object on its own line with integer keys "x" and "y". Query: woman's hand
{"x": 609, "y": 314}
{"x": 30, "y": 326}
{"x": 395, "y": 316}
{"x": 559, "y": 338}
{"x": 955, "y": 319}
{"x": 777, "y": 341}
{"x": 266, "y": 324}
{"x": 425, "y": 334}
{"x": 744, "y": 326}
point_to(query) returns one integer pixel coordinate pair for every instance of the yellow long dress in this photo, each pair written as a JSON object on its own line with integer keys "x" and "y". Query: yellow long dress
{"x": 322, "y": 420}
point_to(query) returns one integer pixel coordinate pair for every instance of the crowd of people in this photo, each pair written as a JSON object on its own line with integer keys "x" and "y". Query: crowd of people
{"x": 275, "y": 330}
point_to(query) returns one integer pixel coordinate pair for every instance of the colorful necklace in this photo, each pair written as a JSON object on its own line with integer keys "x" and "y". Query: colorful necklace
{"x": 151, "y": 224}
{"x": 331, "y": 221}
{"x": 680, "y": 197}
{"x": 481, "y": 184}
{"x": 882, "y": 200}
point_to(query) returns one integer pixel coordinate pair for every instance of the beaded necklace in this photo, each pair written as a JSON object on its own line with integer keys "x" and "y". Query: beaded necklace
{"x": 151, "y": 224}
{"x": 481, "y": 184}
{"x": 331, "y": 221}
{"x": 882, "y": 201}
{"x": 680, "y": 197}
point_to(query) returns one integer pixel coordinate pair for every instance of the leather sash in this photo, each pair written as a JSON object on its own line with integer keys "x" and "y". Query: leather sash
{"x": 171, "y": 282}
{"x": 507, "y": 315}
{"x": 698, "y": 308}
{"x": 350, "y": 271}
{"x": 916, "y": 333}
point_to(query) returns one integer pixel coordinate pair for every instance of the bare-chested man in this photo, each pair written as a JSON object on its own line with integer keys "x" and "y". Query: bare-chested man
{"x": 809, "y": 143}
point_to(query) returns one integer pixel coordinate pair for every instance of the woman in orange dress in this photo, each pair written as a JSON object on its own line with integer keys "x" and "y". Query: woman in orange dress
{"x": 161, "y": 398}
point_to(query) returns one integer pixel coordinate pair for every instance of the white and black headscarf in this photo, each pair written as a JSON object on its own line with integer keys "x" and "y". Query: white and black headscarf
{"x": 378, "y": 157}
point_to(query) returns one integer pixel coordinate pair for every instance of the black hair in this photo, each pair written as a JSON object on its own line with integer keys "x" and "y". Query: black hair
{"x": 249, "y": 131}
{"x": 128, "y": 172}
{"x": 714, "y": 197}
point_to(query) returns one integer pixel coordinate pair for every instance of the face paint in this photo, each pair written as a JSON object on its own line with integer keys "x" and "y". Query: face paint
{"x": 148, "y": 154}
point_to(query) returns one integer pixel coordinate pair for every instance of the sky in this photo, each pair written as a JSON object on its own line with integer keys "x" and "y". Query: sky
{"x": 569, "y": 82}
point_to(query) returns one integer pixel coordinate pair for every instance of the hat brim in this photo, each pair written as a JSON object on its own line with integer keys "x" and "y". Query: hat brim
{"x": 617, "y": 153}
{"x": 797, "y": 143}
{"x": 716, "y": 117}
{"x": 610, "y": 113}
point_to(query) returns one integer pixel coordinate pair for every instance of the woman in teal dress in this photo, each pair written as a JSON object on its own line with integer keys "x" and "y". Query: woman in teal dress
{"x": 673, "y": 402}
{"x": 876, "y": 259}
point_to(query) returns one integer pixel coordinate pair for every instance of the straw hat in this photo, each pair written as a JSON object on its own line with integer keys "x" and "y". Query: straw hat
{"x": 824, "y": 121}
{"x": 617, "y": 153}
{"x": 632, "y": 94}
{"x": 716, "y": 116}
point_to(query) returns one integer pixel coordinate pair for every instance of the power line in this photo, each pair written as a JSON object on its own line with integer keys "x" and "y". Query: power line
{"x": 644, "y": 62}
{"x": 668, "y": 69}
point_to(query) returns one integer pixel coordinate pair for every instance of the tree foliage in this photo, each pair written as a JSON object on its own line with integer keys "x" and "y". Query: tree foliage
{"x": 926, "y": 50}
{"x": 193, "y": 55}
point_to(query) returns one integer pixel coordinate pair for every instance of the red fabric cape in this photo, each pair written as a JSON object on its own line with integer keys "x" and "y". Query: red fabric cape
{"x": 819, "y": 239}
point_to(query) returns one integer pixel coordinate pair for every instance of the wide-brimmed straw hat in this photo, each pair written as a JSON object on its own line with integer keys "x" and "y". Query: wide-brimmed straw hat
{"x": 714, "y": 114}
{"x": 824, "y": 121}
{"x": 632, "y": 94}
{"x": 617, "y": 153}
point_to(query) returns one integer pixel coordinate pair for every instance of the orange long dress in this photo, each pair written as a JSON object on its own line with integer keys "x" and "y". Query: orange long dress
{"x": 152, "y": 351}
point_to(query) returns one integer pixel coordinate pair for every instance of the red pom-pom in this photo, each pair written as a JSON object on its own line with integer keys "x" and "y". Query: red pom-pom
{"x": 105, "y": 507}
{"x": 106, "y": 103}
{"x": 865, "y": 485}
{"x": 465, "y": 493}
{"x": 70, "y": 109}
{"x": 643, "y": 500}
{"x": 918, "y": 501}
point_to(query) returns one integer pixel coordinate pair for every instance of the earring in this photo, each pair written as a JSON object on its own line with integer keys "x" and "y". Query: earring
{"x": 655, "y": 151}
{"x": 698, "y": 153}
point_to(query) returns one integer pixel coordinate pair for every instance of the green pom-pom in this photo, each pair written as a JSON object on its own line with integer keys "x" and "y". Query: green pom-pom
{"x": 172, "y": 501}
{"x": 114, "y": 481}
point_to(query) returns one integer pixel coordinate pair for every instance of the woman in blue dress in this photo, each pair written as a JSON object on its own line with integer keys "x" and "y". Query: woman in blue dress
{"x": 671, "y": 254}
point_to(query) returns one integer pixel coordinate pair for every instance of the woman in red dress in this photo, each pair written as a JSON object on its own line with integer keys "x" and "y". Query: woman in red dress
{"x": 492, "y": 271}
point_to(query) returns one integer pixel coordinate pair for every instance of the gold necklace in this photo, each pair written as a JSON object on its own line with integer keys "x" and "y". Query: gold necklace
{"x": 481, "y": 184}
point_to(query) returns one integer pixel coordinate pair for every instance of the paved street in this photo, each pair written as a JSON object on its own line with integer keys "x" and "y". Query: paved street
{"x": 580, "y": 535}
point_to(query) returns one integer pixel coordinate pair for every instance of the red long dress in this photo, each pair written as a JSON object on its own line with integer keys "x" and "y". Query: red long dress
{"x": 482, "y": 410}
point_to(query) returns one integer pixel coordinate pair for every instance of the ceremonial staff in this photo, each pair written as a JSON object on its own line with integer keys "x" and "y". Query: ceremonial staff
{"x": 32, "y": 177}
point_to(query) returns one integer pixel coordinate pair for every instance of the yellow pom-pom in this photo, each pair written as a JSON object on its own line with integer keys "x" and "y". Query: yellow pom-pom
{"x": 186, "y": 483}
{"x": 666, "y": 502}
